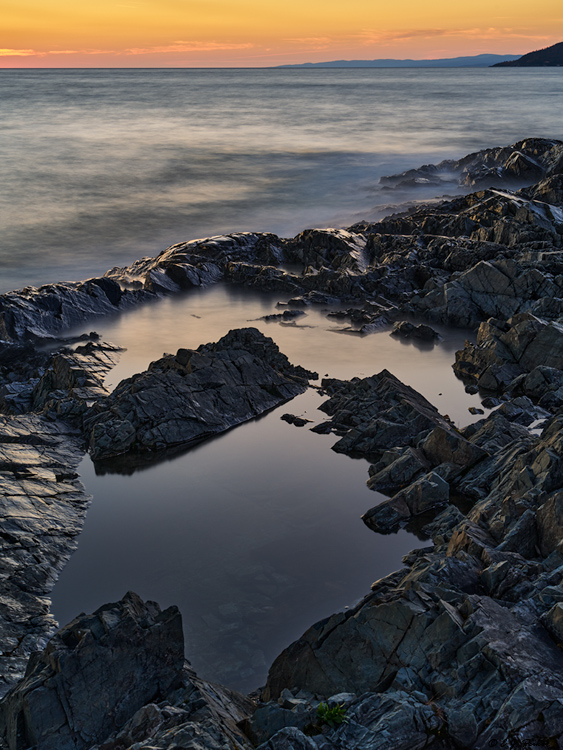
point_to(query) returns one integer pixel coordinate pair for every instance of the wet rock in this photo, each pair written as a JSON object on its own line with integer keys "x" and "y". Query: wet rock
{"x": 524, "y": 161}
{"x": 131, "y": 652}
{"x": 116, "y": 678}
{"x": 428, "y": 492}
{"x": 37, "y": 313}
{"x": 297, "y": 421}
{"x": 376, "y": 413}
{"x": 42, "y": 510}
{"x": 186, "y": 398}
{"x": 393, "y": 472}
{"x": 408, "y": 330}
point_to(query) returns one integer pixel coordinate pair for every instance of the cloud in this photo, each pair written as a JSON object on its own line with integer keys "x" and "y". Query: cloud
{"x": 38, "y": 53}
{"x": 17, "y": 52}
{"x": 316, "y": 42}
{"x": 187, "y": 47}
{"x": 370, "y": 36}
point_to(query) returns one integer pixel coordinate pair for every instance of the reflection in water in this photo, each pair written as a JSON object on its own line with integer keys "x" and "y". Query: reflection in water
{"x": 255, "y": 534}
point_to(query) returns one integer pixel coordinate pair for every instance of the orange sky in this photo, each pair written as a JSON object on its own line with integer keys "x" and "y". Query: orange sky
{"x": 215, "y": 33}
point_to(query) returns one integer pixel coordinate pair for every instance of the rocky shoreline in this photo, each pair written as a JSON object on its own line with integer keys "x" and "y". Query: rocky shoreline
{"x": 461, "y": 648}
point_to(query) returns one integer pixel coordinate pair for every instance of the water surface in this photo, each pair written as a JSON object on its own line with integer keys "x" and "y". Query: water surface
{"x": 257, "y": 534}
{"x": 101, "y": 167}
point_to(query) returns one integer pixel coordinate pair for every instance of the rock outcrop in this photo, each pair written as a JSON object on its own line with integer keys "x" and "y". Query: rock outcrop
{"x": 115, "y": 678}
{"x": 186, "y": 398}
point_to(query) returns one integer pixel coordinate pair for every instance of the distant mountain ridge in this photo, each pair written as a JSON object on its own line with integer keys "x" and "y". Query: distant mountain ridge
{"x": 541, "y": 58}
{"x": 474, "y": 61}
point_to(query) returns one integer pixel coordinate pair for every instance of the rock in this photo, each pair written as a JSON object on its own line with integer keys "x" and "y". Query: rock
{"x": 426, "y": 493}
{"x": 376, "y": 413}
{"x": 183, "y": 399}
{"x": 408, "y": 330}
{"x": 284, "y": 316}
{"x": 524, "y": 161}
{"x": 289, "y": 739}
{"x": 553, "y": 621}
{"x": 399, "y": 471}
{"x": 297, "y": 421}
{"x": 32, "y": 314}
{"x": 42, "y": 510}
{"x": 506, "y": 350}
{"x": 117, "y": 678}
{"x": 445, "y": 445}
{"x": 93, "y": 675}
{"x": 549, "y": 520}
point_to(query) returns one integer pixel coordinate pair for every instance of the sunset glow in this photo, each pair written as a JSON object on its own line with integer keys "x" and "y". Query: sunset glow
{"x": 251, "y": 33}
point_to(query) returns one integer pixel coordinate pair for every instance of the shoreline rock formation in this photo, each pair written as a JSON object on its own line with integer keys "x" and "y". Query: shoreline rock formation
{"x": 458, "y": 649}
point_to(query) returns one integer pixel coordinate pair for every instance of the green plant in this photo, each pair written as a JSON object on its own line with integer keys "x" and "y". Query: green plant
{"x": 332, "y": 715}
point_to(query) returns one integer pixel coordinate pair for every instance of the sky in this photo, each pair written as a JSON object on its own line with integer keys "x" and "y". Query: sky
{"x": 257, "y": 33}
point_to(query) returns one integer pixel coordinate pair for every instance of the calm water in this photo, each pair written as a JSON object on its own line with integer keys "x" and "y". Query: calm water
{"x": 102, "y": 167}
{"x": 257, "y": 534}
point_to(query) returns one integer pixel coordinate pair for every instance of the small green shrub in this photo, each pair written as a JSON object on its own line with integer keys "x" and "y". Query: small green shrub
{"x": 332, "y": 715}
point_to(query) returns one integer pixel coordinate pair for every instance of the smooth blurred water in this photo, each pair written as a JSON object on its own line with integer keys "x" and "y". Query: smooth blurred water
{"x": 100, "y": 167}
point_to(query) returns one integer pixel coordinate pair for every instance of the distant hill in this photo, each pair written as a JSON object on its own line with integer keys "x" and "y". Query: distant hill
{"x": 541, "y": 58}
{"x": 476, "y": 61}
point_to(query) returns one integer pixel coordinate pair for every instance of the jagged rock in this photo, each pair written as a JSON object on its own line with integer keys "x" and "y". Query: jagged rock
{"x": 32, "y": 313}
{"x": 505, "y": 350}
{"x": 42, "y": 510}
{"x": 445, "y": 445}
{"x": 392, "y": 471}
{"x": 285, "y": 315}
{"x": 553, "y": 621}
{"x": 408, "y": 330}
{"x": 116, "y": 678}
{"x": 549, "y": 520}
{"x": 428, "y": 492}
{"x": 93, "y": 675}
{"x": 189, "y": 397}
{"x": 73, "y": 378}
{"x": 524, "y": 161}
{"x": 373, "y": 414}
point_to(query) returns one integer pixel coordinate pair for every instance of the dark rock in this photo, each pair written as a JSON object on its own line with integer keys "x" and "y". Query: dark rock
{"x": 118, "y": 678}
{"x": 93, "y": 675}
{"x": 408, "y": 330}
{"x": 42, "y": 509}
{"x": 373, "y": 414}
{"x": 524, "y": 161}
{"x": 297, "y": 421}
{"x": 445, "y": 445}
{"x": 505, "y": 350}
{"x": 285, "y": 315}
{"x": 393, "y": 472}
{"x": 189, "y": 397}
{"x": 426, "y": 493}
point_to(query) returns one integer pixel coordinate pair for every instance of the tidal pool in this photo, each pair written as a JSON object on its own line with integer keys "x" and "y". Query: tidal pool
{"x": 256, "y": 534}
